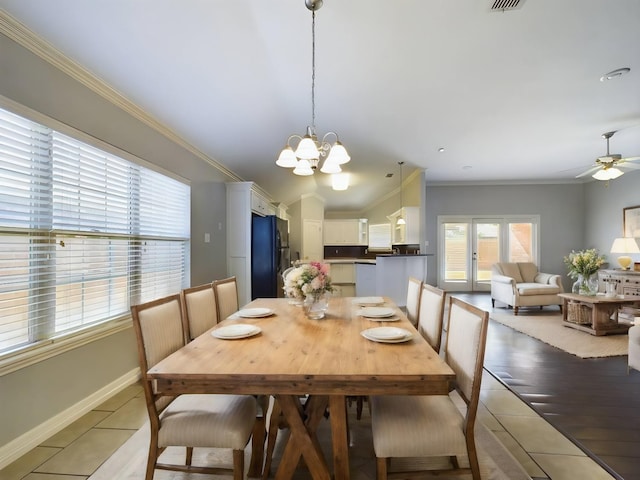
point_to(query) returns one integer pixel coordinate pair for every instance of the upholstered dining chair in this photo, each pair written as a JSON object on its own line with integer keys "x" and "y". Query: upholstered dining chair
{"x": 431, "y": 314}
{"x": 413, "y": 299}
{"x": 203, "y": 420}
{"x": 226, "y": 291}
{"x": 432, "y": 425}
{"x": 199, "y": 309}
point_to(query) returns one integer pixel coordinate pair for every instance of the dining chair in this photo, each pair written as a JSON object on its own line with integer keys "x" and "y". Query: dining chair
{"x": 226, "y": 292}
{"x": 413, "y": 300}
{"x": 199, "y": 309}
{"x": 201, "y": 420}
{"x": 432, "y": 425}
{"x": 431, "y": 314}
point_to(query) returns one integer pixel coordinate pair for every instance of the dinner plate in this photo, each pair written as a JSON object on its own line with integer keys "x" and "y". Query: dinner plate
{"x": 236, "y": 330}
{"x": 254, "y": 312}
{"x": 370, "y": 301}
{"x": 377, "y": 312}
{"x": 387, "y": 335}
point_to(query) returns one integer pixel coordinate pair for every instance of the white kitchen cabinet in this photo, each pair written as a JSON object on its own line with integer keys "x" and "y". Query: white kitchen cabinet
{"x": 351, "y": 231}
{"x": 343, "y": 278}
{"x": 261, "y": 205}
{"x": 409, "y": 233}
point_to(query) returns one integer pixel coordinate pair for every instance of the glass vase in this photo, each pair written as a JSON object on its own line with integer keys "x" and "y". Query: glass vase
{"x": 315, "y": 305}
{"x": 586, "y": 285}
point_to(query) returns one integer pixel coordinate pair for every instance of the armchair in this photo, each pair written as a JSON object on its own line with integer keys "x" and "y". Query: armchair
{"x": 522, "y": 285}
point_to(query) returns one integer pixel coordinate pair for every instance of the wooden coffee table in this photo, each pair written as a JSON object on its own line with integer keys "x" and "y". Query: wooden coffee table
{"x": 603, "y": 315}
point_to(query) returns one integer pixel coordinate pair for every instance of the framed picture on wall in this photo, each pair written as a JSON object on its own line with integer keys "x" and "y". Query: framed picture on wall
{"x": 631, "y": 221}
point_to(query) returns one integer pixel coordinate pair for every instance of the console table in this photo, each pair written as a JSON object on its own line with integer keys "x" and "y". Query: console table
{"x": 603, "y": 312}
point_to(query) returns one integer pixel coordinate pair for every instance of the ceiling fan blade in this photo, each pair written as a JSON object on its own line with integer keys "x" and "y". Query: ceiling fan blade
{"x": 632, "y": 166}
{"x": 630, "y": 159}
{"x": 589, "y": 172}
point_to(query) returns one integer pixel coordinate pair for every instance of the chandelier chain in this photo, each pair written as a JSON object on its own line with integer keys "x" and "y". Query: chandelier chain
{"x": 313, "y": 71}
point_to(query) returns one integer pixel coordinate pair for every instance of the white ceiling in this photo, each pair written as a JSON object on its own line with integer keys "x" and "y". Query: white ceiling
{"x": 511, "y": 96}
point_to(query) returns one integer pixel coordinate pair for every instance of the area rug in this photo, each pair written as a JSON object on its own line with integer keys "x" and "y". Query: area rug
{"x": 129, "y": 461}
{"x": 550, "y": 330}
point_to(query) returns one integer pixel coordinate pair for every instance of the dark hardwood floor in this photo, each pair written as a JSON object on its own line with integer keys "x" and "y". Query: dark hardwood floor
{"x": 594, "y": 401}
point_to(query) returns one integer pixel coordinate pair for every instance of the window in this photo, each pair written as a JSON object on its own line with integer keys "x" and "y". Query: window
{"x": 380, "y": 236}
{"x": 84, "y": 234}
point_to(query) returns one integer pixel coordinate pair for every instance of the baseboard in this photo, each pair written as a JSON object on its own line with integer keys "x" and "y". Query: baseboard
{"x": 34, "y": 437}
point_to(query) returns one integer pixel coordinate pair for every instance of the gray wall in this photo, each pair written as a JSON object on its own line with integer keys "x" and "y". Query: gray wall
{"x": 34, "y": 394}
{"x": 603, "y": 211}
{"x": 561, "y": 210}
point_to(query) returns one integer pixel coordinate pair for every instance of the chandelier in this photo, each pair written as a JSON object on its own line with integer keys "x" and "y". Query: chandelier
{"x": 306, "y": 157}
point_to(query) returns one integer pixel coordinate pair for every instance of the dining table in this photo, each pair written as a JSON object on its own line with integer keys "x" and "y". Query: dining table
{"x": 270, "y": 347}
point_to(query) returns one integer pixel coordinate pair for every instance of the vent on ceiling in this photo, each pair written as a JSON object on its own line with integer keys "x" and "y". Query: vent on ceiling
{"x": 502, "y": 5}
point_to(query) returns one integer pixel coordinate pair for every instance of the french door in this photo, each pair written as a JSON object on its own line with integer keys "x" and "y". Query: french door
{"x": 469, "y": 246}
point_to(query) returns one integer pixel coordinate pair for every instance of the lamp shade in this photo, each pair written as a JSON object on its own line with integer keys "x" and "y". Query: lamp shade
{"x": 287, "y": 158}
{"x": 303, "y": 168}
{"x": 307, "y": 149}
{"x": 338, "y": 154}
{"x": 625, "y": 245}
{"x": 330, "y": 166}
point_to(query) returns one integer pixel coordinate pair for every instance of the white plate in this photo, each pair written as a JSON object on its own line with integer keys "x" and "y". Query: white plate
{"x": 383, "y": 319}
{"x": 254, "y": 312}
{"x": 377, "y": 312}
{"x": 370, "y": 301}
{"x": 373, "y": 334}
{"x": 236, "y": 330}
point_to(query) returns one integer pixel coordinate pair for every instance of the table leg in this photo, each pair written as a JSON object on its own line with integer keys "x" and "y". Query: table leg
{"x": 302, "y": 440}
{"x": 339, "y": 440}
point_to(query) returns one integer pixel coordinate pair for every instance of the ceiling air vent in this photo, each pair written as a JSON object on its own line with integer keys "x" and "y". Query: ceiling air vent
{"x": 503, "y": 5}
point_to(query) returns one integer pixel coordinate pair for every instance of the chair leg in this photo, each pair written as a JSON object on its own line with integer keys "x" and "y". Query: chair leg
{"x": 152, "y": 458}
{"x": 238, "y": 464}
{"x": 272, "y": 435}
{"x": 493, "y": 303}
{"x": 515, "y": 310}
{"x": 382, "y": 465}
{"x": 189, "y": 456}
{"x": 359, "y": 403}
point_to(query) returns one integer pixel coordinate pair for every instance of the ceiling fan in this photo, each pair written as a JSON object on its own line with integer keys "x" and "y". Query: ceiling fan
{"x": 606, "y": 168}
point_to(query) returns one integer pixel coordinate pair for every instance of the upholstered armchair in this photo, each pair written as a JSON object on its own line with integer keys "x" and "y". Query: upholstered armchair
{"x": 522, "y": 285}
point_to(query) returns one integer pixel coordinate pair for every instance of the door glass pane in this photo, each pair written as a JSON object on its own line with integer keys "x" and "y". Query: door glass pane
{"x": 487, "y": 249}
{"x": 456, "y": 237}
{"x": 521, "y": 242}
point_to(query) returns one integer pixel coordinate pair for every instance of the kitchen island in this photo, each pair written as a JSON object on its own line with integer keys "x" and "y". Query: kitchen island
{"x": 389, "y": 275}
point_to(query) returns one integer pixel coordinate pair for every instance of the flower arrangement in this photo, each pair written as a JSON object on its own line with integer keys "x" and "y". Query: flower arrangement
{"x": 308, "y": 279}
{"x": 584, "y": 262}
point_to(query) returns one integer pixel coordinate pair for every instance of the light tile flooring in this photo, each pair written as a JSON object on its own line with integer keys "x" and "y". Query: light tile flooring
{"x": 77, "y": 451}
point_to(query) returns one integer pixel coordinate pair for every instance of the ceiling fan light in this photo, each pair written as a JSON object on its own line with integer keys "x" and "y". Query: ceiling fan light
{"x": 287, "y": 158}
{"x": 607, "y": 174}
{"x": 303, "y": 168}
{"x": 338, "y": 153}
{"x": 307, "y": 149}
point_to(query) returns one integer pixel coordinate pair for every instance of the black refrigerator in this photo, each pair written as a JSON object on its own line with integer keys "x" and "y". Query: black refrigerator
{"x": 269, "y": 255}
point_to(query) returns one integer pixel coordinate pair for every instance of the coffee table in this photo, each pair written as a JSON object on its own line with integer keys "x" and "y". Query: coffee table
{"x": 603, "y": 315}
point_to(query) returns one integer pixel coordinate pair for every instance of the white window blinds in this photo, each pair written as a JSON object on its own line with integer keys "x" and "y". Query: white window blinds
{"x": 84, "y": 234}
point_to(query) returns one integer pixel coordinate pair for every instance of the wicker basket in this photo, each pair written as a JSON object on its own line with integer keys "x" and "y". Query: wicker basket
{"x": 578, "y": 313}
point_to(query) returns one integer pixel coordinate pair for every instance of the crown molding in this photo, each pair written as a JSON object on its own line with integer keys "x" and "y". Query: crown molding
{"x": 19, "y": 33}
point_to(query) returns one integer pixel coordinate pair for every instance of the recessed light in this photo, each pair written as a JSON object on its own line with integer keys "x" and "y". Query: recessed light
{"x": 614, "y": 74}
{"x": 441, "y": 149}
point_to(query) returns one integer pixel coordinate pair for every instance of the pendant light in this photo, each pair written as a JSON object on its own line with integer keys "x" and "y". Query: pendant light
{"x": 305, "y": 158}
{"x": 400, "y": 220}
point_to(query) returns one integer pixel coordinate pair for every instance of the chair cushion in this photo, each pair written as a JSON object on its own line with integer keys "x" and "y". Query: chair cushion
{"x": 511, "y": 270}
{"x": 416, "y": 426}
{"x": 215, "y": 421}
{"x": 525, "y": 289}
{"x": 528, "y": 271}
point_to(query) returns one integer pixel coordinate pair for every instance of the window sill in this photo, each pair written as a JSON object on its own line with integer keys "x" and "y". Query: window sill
{"x": 32, "y": 354}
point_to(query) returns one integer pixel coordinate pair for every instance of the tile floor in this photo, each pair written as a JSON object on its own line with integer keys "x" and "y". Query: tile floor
{"x": 77, "y": 451}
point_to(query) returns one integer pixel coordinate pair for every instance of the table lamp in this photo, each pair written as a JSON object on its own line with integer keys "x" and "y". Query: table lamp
{"x": 625, "y": 245}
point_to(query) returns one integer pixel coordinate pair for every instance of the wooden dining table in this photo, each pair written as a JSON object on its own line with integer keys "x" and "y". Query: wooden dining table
{"x": 294, "y": 356}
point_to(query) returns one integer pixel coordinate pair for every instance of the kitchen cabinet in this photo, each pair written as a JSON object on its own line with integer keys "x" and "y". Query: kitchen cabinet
{"x": 409, "y": 233}
{"x": 261, "y": 205}
{"x": 351, "y": 231}
{"x": 343, "y": 278}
